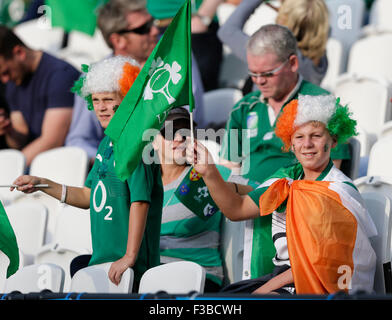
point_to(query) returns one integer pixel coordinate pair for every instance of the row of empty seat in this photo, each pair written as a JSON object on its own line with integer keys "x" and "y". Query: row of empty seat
{"x": 179, "y": 277}
{"x": 184, "y": 277}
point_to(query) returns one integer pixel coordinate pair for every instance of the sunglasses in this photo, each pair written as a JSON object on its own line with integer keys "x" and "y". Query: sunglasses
{"x": 143, "y": 29}
{"x": 170, "y": 133}
{"x": 268, "y": 74}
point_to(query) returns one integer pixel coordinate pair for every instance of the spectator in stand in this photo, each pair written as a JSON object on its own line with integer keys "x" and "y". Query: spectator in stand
{"x": 206, "y": 47}
{"x": 4, "y": 115}
{"x": 125, "y": 215}
{"x": 184, "y": 235}
{"x": 310, "y": 202}
{"x": 307, "y": 19}
{"x": 250, "y": 143}
{"x": 38, "y": 95}
{"x": 129, "y": 30}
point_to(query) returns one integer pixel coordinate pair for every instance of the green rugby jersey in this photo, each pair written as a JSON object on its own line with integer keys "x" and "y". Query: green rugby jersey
{"x": 110, "y": 203}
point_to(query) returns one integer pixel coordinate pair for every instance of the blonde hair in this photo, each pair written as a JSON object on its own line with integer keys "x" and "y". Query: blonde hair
{"x": 309, "y": 22}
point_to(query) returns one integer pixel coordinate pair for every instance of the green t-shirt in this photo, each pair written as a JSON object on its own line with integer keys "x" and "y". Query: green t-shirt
{"x": 258, "y": 148}
{"x": 110, "y": 203}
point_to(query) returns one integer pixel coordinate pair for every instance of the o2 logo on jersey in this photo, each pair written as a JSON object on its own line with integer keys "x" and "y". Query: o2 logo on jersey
{"x": 101, "y": 206}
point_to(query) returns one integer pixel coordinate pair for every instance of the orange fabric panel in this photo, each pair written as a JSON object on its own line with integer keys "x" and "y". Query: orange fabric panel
{"x": 321, "y": 234}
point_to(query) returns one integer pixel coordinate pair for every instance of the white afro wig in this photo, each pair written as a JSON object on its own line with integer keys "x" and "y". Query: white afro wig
{"x": 315, "y": 108}
{"x": 104, "y": 76}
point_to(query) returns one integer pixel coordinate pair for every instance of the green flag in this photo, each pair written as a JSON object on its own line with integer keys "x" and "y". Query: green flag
{"x": 164, "y": 82}
{"x": 194, "y": 194}
{"x": 80, "y": 15}
{"x": 8, "y": 243}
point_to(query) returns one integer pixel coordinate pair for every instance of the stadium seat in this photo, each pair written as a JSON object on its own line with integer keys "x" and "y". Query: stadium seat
{"x": 233, "y": 71}
{"x": 367, "y": 98}
{"x": 380, "y": 157}
{"x": 232, "y": 249}
{"x": 84, "y": 49}
{"x": 12, "y": 165}
{"x": 350, "y": 167}
{"x": 72, "y": 238}
{"x": 38, "y": 34}
{"x": 35, "y": 278}
{"x": 335, "y": 57}
{"x": 180, "y": 277}
{"x": 379, "y": 207}
{"x": 218, "y": 104}
{"x": 346, "y": 19}
{"x": 94, "y": 279}
{"x": 67, "y": 165}
{"x": 4, "y": 263}
{"x": 380, "y": 16}
{"x": 371, "y": 56}
{"x": 386, "y": 129}
{"x": 29, "y": 220}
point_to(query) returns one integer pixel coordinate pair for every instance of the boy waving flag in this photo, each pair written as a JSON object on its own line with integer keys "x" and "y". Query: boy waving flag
{"x": 8, "y": 243}
{"x": 164, "y": 82}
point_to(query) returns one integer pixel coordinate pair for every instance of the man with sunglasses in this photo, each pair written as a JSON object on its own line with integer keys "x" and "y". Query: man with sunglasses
{"x": 130, "y": 31}
{"x": 273, "y": 66}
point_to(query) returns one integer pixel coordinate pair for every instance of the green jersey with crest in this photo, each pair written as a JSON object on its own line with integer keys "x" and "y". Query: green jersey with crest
{"x": 110, "y": 203}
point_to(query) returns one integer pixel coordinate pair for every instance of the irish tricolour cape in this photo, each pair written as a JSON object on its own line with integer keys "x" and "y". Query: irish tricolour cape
{"x": 327, "y": 229}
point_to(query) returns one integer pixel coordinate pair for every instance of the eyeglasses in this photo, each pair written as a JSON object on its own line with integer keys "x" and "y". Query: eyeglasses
{"x": 268, "y": 74}
{"x": 143, "y": 29}
{"x": 171, "y": 133}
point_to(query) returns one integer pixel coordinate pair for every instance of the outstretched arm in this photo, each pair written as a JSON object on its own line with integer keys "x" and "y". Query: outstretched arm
{"x": 75, "y": 196}
{"x": 233, "y": 205}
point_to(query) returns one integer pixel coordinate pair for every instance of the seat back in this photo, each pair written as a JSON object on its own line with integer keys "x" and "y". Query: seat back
{"x": 379, "y": 207}
{"x": 73, "y": 229}
{"x": 350, "y": 167}
{"x": 35, "y": 278}
{"x": 367, "y": 98}
{"x": 68, "y": 165}
{"x": 218, "y": 104}
{"x": 370, "y": 56}
{"x": 380, "y": 157}
{"x": 346, "y": 18}
{"x": 180, "y": 277}
{"x": 95, "y": 279}
{"x": 335, "y": 63}
{"x": 29, "y": 221}
{"x": 232, "y": 249}
{"x": 12, "y": 165}
{"x": 380, "y": 17}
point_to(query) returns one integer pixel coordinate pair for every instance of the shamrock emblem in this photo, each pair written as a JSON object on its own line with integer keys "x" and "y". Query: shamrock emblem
{"x": 161, "y": 75}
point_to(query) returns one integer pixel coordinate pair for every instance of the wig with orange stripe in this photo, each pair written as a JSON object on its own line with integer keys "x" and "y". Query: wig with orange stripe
{"x": 114, "y": 74}
{"x": 285, "y": 124}
{"x": 322, "y": 108}
{"x": 129, "y": 75}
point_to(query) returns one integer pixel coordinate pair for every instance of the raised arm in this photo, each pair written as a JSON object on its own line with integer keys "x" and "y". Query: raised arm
{"x": 234, "y": 206}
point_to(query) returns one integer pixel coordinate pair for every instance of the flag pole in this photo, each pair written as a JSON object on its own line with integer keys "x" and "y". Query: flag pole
{"x": 190, "y": 92}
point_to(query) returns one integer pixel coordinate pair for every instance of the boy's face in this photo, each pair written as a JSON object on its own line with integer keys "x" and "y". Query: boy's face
{"x": 105, "y": 104}
{"x": 311, "y": 144}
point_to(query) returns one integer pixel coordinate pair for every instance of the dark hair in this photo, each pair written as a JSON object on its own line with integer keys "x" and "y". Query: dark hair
{"x": 8, "y": 41}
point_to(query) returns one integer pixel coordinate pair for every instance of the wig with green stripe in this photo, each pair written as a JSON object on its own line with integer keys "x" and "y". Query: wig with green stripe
{"x": 341, "y": 125}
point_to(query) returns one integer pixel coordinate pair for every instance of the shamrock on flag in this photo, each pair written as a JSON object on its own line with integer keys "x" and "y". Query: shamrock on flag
{"x": 164, "y": 82}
